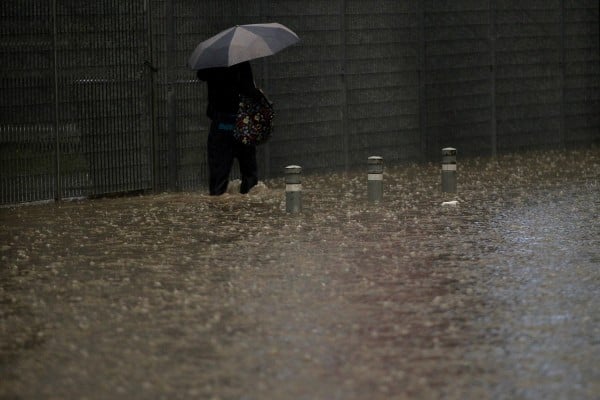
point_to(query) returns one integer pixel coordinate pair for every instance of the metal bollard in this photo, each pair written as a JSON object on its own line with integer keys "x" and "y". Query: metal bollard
{"x": 375, "y": 178}
{"x": 293, "y": 189}
{"x": 449, "y": 170}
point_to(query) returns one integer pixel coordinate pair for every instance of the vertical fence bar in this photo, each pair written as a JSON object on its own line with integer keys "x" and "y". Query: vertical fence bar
{"x": 131, "y": 145}
{"x": 346, "y": 136}
{"x": 154, "y": 141}
{"x": 116, "y": 110}
{"x": 112, "y": 101}
{"x": 119, "y": 112}
{"x": 126, "y": 85}
{"x": 171, "y": 96}
{"x": 563, "y": 71}
{"x": 493, "y": 69}
{"x": 57, "y": 182}
{"x": 104, "y": 137}
{"x": 422, "y": 75}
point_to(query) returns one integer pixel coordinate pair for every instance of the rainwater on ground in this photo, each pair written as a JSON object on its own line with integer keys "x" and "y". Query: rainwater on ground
{"x": 185, "y": 296}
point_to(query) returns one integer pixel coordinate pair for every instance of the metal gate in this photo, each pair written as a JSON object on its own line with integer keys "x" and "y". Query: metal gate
{"x": 76, "y": 110}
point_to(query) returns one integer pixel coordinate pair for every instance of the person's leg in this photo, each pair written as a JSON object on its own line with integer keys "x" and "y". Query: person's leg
{"x": 220, "y": 159}
{"x": 246, "y": 156}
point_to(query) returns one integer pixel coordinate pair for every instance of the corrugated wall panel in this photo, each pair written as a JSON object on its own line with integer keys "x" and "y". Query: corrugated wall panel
{"x": 528, "y": 74}
{"x": 458, "y": 59}
{"x": 381, "y": 80}
{"x": 306, "y": 86}
{"x": 582, "y": 71}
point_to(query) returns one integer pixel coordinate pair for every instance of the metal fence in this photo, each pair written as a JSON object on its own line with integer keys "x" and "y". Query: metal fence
{"x": 97, "y": 98}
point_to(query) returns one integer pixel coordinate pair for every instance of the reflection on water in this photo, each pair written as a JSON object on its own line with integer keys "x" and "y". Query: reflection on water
{"x": 187, "y": 296}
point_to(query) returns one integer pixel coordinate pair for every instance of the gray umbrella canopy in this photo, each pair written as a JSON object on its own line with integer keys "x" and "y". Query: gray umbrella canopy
{"x": 242, "y": 43}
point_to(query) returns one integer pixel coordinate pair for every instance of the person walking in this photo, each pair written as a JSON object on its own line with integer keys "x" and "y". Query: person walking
{"x": 225, "y": 84}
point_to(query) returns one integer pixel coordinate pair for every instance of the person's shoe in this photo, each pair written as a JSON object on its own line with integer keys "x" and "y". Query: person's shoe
{"x": 234, "y": 186}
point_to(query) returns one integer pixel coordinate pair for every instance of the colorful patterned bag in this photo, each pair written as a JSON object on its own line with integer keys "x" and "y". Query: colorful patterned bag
{"x": 254, "y": 120}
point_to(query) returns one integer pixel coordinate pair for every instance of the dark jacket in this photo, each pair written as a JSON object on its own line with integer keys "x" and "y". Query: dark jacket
{"x": 224, "y": 87}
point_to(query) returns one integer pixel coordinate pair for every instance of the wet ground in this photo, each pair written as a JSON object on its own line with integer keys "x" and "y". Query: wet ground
{"x": 182, "y": 296}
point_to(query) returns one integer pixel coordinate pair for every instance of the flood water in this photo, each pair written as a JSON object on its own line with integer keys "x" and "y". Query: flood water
{"x": 184, "y": 296}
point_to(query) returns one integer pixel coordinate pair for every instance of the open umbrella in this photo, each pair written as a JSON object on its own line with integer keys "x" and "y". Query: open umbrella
{"x": 242, "y": 43}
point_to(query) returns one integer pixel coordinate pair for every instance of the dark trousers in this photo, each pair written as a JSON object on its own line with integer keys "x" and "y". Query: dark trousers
{"x": 222, "y": 149}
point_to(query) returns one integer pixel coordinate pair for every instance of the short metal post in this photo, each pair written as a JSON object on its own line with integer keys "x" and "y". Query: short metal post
{"x": 449, "y": 170}
{"x": 375, "y": 178}
{"x": 293, "y": 189}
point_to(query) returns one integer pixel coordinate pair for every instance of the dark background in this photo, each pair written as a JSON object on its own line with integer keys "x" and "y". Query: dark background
{"x": 97, "y": 99}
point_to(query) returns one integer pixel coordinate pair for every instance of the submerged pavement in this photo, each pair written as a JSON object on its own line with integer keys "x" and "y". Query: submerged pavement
{"x": 184, "y": 296}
